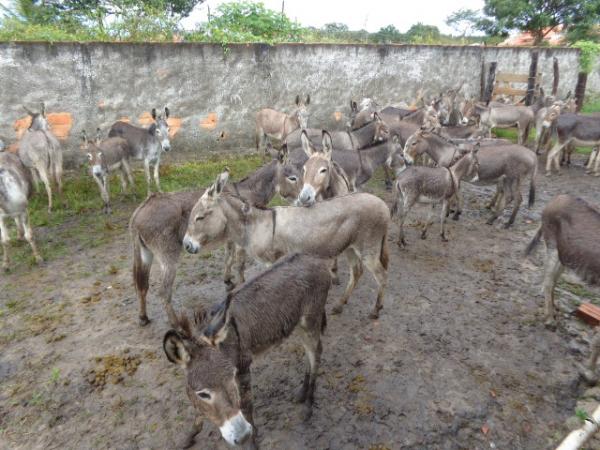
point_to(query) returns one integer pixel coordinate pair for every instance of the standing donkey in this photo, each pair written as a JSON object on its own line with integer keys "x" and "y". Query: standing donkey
{"x": 40, "y": 152}
{"x": 158, "y": 225}
{"x": 15, "y": 190}
{"x": 217, "y": 351}
{"x": 106, "y": 156}
{"x": 355, "y": 224}
{"x": 146, "y": 144}
{"x": 566, "y": 222}
{"x": 278, "y": 125}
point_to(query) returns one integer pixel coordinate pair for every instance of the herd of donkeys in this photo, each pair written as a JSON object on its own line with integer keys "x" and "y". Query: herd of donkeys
{"x": 427, "y": 153}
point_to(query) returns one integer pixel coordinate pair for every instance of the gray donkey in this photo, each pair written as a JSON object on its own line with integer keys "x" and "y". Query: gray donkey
{"x": 503, "y": 165}
{"x": 278, "y": 125}
{"x": 106, "y": 156}
{"x": 40, "y": 152}
{"x": 504, "y": 116}
{"x": 354, "y": 224}
{"x": 15, "y": 190}
{"x": 146, "y": 144}
{"x": 158, "y": 225}
{"x": 218, "y": 349}
{"x": 432, "y": 185}
{"x": 566, "y": 220}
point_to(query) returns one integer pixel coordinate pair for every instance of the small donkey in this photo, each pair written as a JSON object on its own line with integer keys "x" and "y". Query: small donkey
{"x": 432, "y": 185}
{"x": 566, "y": 220}
{"x": 40, "y": 152}
{"x": 217, "y": 351}
{"x": 105, "y": 157}
{"x": 146, "y": 144}
{"x": 277, "y": 125}
{"x": 15, "y": 190}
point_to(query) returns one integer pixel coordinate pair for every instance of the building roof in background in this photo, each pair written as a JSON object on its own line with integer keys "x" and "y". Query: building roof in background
{"x": 553, "y": 37}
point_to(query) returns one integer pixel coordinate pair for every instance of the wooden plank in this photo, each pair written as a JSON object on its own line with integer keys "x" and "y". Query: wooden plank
{"x": 533, "y": 78}
{"x": 589, "y": 313}
{"x": 515, "y": 77}
{"x": 502, "y": 90}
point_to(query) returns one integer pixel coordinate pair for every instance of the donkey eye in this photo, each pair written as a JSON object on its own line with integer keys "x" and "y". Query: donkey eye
{"x": 323, "y": 170}
{"x": 204, "y": 395}
{"x": 199, "y": 218}
{"x": 293, "y": 179}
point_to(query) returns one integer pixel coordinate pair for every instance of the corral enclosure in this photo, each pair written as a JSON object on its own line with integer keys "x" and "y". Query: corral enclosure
{"x": 213, "y": 91}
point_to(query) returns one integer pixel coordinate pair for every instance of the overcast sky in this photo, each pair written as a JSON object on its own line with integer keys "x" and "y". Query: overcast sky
{"x": 368, "y": 14}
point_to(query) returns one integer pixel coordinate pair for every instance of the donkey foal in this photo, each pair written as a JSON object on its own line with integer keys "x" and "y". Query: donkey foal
{"x": 216, "y": 352}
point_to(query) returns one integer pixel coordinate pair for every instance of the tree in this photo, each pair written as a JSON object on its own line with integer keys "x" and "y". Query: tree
{"x": 421, "y": 33}
{"x": 464, "y": 21}
{"x": 538, "y": 17}
{"x": 335, "y": 27}
{"x": 388, "y": 34}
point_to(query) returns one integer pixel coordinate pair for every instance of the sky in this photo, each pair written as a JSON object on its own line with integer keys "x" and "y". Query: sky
{"x": 370, "y": 15}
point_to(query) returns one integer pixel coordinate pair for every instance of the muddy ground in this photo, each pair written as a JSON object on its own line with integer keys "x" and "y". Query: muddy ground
{"x": 458, "y": 360}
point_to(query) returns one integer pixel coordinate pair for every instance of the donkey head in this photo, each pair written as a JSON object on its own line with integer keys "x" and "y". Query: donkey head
{"x": 94, "y": 154}
{"x": 211, "y": 376}
{"x": 316, "y": 175}
{"x": 551, "y": 115}
{"x": 287, "y": 177}
{"x": 416, "y": 145}
{"x": 160, "y": 129}
{"x": 467, "y": 167}
{"x": 395, "y": 159}
{"x": 301, "y": 113}
{"x": 207, "y": 223}
{"x": 38, "y": 120}
{"x": 382, "y": 132}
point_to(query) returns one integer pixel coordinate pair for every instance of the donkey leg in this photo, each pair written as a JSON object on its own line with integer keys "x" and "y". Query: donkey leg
{"x": 123, "y": 181}
{"x": 356, "y": 270}
{"x": 169, "y": 270}
{"x": 190, "y": 438}
{"x": 375, "y": 266}
{"x": 388, "y": 177}
{"x": 552, "y": 270}
{"x": 311, "y": 340}
{"x": 147, "y": 174}
{"x": 156, "y": 175}
{"x": 428, "y": 222}
{"x": 46, "y": 181}
{"x": 591, "y": 160}
{"x": 499, "y": 208}
{"x": 443, "y": 220}
{"x": 127, "y": 170}
{"x": 554, "y": 154}
{"x": 335, "y": 279}
{"x": 403, "y": 209}
{"x": 5, "y": 243}
{"x": 494, "y": 199}
{"x": 597, "y": 165}
{"x": 517, "y": 199}
{"x": 105, "y": 195}
{"x": 23, "y": 222}
{"x": 245, "y": 382}
{"x": 229, "y": 260}
{"x": 459, "y": 206}
{"x": 36, "y": 179}
{"x": 240, "y": 263}
{"x": 142, "y": 263}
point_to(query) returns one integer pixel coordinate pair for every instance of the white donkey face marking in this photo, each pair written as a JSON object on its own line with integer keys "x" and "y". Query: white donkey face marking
{"x": 236, "y": 430}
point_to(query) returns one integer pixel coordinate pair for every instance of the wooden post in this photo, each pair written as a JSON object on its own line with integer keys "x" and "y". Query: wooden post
{"x": 580, "y": 89}
{"x": 532, "y": 78}
{"x": 489, "y": 89}
{"x": 482, "y": 81}
{"x": 556, "y": 77}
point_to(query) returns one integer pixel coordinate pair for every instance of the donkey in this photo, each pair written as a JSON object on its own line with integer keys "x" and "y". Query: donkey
{"x": 505, "y": 116}
{"x": 432, "y": 185}
{"x": 217, "y": 351}
{"x": 500, "y": 164}
{"x": 40, "y": 152}
{"x": 146, "y": 144}
{"x": 15, "y": 190}
{"x": 574, "y": 129}
{"x": 354, "y": 224}
{"x": 278, "y": 125}
{"x": 106, "y": 156}
{"x": 158, "y": 225}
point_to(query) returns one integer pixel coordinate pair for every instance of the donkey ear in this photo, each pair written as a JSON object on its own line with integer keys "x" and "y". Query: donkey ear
{"x": 568, "y": 95}
{"x": 84, "y": 137}
{"x": 297, "y": 100}
{"x": 307, "y": 102}
{"x": 395, "y": 139}
{"x": 327, "y": 144}
{"x": 283, "y": 154}
{"x": 376, "y": 117}
{"x": 175, "y": 349}
{"x": 353, "y": 106}
{"x": 218, "y": 327}
{"x": 306, "y": 144}
{"x": 43, "y": 110}
{"x": 221, "y": 180}
{"x": 167, "y": 112}
{"x": 154, "y": 113}
{"x": 542, "y": 94}
{"x": 98, "y": 135}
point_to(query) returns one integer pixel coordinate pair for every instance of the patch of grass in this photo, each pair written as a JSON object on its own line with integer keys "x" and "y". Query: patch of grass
{"x": 582, "y": 415}
{"x": 578, "y": 290}
{"x": 507, "y": 133}
{"x": 55, "y": 375}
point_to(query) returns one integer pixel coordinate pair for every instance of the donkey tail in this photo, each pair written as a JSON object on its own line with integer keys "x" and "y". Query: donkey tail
{"x": 142, "y": 261}
{"x": 534, "y": 242}
{"x": 323, "y": 322}
{"x": 532, "y": 185}
{"x": 384, "y": 256}
{"x": 396, "y": 199}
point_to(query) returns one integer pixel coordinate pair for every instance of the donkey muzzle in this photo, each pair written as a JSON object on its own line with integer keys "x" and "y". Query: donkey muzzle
{"x": 190, "y": 245}
{"x": 236, "y": 430}
{"x": 307, "y": 195}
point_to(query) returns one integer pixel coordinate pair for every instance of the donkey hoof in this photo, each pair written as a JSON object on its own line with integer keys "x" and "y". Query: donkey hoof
{"x": 335, "y": 280}
{"x": 550, "y": 324}
{"x": 490, "y": 221}
{"x": 374, "y": 315}
{"x": 39, "y": 259}
{"x": 548, "y": 174}
{"x": 300, "y": 396}
{"x": 401, "y": 243}
{"x": 5, "y": 268}
{"x": 144, "y": 321}
{"x": 507, "y": 225}
{"x": 456, "y": 216}
{"x": 229, "y": 285}
{"x": 306, "y": 413}
{"x": 423, "y": 235}
{"x": 588, "y": 375}
{"x": 444, "y": 238}
{"x": 337, "y": 309}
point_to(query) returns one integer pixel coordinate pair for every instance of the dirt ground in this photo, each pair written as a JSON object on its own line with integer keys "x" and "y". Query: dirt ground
{"x": 458, "y": 360}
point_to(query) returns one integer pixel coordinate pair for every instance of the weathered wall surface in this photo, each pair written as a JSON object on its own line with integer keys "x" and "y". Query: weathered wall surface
{"x": 593, "y": 83}
{"x": 214, "y": 92}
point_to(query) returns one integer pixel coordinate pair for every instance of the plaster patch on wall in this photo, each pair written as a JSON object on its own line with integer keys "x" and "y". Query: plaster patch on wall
{"x": 338, "y": 116}
{"x": 60, "y": 124}
{"x": 209, "y": 122}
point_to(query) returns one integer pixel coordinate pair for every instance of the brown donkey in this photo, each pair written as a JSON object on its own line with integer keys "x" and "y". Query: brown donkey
{"x": 277, "y": 125}
{"x": 217, "y": 351}
{"x": 158, "y": 225}
{"x": 355, "y": 224}
{"x": 567, "y": 221}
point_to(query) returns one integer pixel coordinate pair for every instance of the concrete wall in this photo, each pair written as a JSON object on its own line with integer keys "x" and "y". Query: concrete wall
{"x": 593, "y": 82}
{"x": 213, "y": 90}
